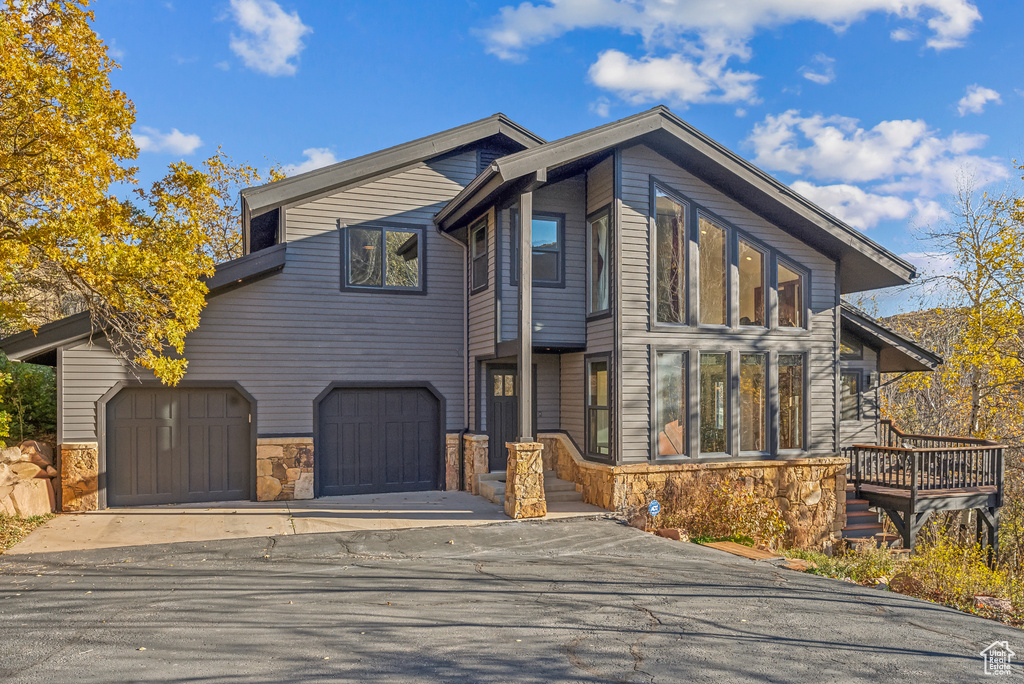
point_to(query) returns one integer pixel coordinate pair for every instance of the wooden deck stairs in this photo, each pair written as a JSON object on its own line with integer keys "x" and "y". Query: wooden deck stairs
{"x": 863, "y": 525}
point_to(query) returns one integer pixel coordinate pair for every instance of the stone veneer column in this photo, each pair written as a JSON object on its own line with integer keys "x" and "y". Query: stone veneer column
{"x": 284, "y": 468}
{"x": 474, "y": 460}
{"x": 451, "y": 461}
{"x": 80, "y": 476}
{"x": 524, "y": 481}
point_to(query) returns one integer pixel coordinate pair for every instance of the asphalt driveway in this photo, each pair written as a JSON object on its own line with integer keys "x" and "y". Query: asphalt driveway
{"x": 571, "y": 600}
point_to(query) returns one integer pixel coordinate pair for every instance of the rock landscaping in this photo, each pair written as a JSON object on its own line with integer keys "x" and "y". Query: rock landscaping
{"x": 26, "y": 485}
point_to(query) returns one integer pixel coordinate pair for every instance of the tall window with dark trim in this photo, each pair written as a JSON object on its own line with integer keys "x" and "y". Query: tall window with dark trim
{"x": 598, "y": 299}
{"x": 752, "y": 284}
{"x": 598, "y": 408}
{"x": 849, "y": 384}
{"x": 791, "y": 297}
{"x": 548, "y": 244}
{"x": 713, "y": 288}
{"x": 753, "y": 402}
{"x": 382, "y": 258}
{"x": 670, "y": 415}
{"x": 670, "y": 252}
{"x": 714, "y": 403}
{"x": 791, "y": 401}
{"x": 478, "y": 256}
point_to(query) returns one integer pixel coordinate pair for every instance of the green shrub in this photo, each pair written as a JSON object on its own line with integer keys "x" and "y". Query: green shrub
{"x": 28, "y": 401}
{"x": 713, "y": 508}
{"x": 863, "y": 564}
{"x": 953, "y": 572}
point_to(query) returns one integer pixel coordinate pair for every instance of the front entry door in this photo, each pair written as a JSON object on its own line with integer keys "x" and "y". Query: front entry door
{"x": 502, "y": 413}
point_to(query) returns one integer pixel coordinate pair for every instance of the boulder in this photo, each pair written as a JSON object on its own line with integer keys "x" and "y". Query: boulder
{"x": 26, "y": 470}
{"x": 7, "y": 475}
{"x": 267, "y": 488}
{"x": 37, "y": 452}
{"x": 10, "y": 455}
{"x": 304, "y": 486}
{"x": 32, "y": 497}
{"x": 993, "y": 603}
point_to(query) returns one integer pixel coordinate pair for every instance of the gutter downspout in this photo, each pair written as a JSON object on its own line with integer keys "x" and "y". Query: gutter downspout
{"x": 465, "y": 354}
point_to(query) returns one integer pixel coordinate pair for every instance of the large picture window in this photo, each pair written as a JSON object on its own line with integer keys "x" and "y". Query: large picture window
{"x": 791, "y": 297}
{"x": 791, "y": 401}
{"x": 382, "y": 258}
{"x": 670, "y": 404}
{"x": 478, "y": 256}
{"x": 714, "y": 403}
{"x": 753, "y": 404}
{"x": 598, "y": 408}
{"x": 548, "y": 235}
{"x": 598, "y": 293}
{"x": 714, "y": 273}
{"x": 752, "y": 284}
{"x": 670, "y": 252}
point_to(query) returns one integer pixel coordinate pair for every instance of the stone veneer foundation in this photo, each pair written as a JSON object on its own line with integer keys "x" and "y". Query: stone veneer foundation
{"x": 475, "y": 460}
{"x": 451, "y": 461}
{"x": 810, "y": 492}
{"x": 80, "y": 476}
{"x": 284, "y": 468}
{"x": 524, "y": 481}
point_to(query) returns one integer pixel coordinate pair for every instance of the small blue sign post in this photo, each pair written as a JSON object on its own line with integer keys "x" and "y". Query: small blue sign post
{"x": 654, "y": 508}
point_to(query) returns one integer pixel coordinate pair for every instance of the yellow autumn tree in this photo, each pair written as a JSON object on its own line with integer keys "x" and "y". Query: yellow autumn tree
{"x": 67, "y": 243}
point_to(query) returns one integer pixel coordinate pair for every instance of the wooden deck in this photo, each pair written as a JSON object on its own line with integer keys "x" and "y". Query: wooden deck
{"x": 912, "y": 476}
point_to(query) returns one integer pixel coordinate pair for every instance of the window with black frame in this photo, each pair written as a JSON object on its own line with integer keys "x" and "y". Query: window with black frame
{"x": 598, "y": 291}
{"x": 478, "y": 256}
{"x": 849, "y": 384}
{"x": 670, "y": 414}
{"x": 598, "y": 408}
{"x": 791, "y": 401}
{"x": 548, "y": 234}
{"x": 714, "y": 403}
{"x": 382, "y": 258}
{"x": 670, "y": 253}
{"x": 791, "y": 297}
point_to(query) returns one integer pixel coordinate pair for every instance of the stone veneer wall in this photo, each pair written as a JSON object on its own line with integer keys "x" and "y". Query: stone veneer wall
{"x": 80, "y": 476}
{"x": 451, "y": 461}
{"x": 810, "y": 492}
{"x": 284, "y": 468}
{"x": 475, "y": 460}
{"x": 524, "y": 484}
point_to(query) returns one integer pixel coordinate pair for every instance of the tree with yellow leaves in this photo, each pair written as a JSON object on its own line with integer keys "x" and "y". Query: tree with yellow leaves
{"x": 66, "y": 242}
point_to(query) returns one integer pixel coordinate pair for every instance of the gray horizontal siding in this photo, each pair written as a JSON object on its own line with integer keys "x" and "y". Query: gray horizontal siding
{"x": 865, "y": 430}
{"x": 559, "y": 314}
{"x": 572, "y": 420}
{"x": 600, "y": 194}
{"x": 639, "y": 163}
{"x": 482, "y": 311}
{"x": 285, "y": 338}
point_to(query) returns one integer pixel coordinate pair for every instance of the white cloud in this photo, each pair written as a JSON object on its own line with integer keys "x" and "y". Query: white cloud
{"x": 853, "y": 205}
{"x": 316, "y": 157}
{"x": 175, "y": 142}
{"x": 931, "y": 263}
{"x": 900, "y": 156}
{"x": 271, "y": 38}
{"x": 688, "y": 43}
{"x": 823, "y": 72}
{"x": 902, "y": 35}
{"x": 601, "y": 106}
{"x": 223, "y": 66}
{"x": 975, "y": 99}
{"x": 675, "y": 78}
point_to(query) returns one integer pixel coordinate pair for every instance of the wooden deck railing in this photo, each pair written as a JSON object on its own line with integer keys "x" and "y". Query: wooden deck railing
{"x": 926, "y": 462}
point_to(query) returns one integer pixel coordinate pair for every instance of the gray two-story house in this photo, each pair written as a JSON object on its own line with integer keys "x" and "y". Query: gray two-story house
{"x": 683, "y": 311}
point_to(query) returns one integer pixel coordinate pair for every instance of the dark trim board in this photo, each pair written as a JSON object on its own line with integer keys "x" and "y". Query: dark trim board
{"x": 101, "y": 423}
{"x": 343, "y": 384}
{"x": 419, "y": 229}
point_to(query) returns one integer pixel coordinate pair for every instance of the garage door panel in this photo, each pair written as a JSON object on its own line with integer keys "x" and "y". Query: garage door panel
{"x": 372, "y": 440}
{"x": 173, "y": 445}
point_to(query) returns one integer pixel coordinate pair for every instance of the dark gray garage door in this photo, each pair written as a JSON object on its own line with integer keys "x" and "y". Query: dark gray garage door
{"x": 177, "y": 446}
{"x": 378, "y": 440}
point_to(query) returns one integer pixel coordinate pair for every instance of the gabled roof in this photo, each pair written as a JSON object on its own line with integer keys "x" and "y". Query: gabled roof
{"x": 896, "y": 353}
{"x": 498, "y": 127}
{"x": 40, "y": 346}
{"x": 865, "y": 264}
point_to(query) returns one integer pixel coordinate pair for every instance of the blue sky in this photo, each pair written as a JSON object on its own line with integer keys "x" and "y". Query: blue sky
{"x": 869, "y": 107}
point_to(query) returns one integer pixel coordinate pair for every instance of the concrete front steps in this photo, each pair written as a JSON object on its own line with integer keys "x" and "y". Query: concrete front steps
{"x": 491, "y": 486}
{"x": 864, "y": 525}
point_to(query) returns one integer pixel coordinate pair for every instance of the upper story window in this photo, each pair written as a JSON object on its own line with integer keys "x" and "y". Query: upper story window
{"x": 791, "y": 297}
{"x": 752, "y": 284}
{"x": 382, "y": 258}
{"x": 850, "y": 348}
{"x": 849, "y": 384}
{"x": 670, "y": 258}
{"x": 478, "y": 256}
{"x": 548, "y": 249}
{"x": 598, "y": 292}
{"x": 713, "y": 293}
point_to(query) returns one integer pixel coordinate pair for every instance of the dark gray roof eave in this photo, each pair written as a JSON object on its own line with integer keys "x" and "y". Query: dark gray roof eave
{"x": 863, "y": 323}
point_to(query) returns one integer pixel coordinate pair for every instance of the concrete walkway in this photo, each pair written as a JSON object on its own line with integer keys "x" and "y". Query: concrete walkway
{"x": 241, "y": 519}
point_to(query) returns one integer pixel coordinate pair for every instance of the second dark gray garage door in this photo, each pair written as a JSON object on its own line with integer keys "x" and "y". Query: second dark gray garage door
{"x": 378, "y": 440}
{"x": 177, "y": 446}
